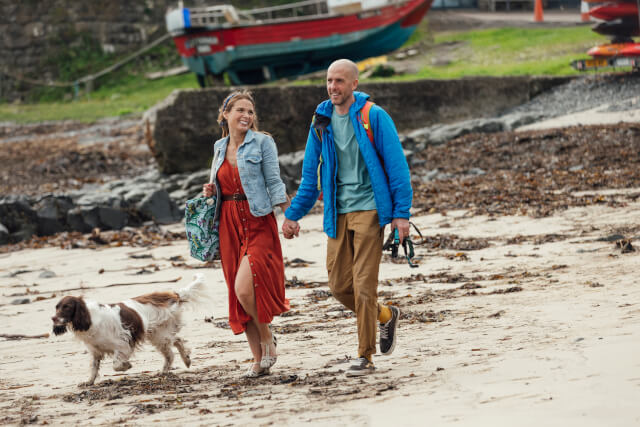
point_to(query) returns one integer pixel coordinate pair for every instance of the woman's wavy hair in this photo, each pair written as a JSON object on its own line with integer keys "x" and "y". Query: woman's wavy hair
{"x": 228, "y": 104}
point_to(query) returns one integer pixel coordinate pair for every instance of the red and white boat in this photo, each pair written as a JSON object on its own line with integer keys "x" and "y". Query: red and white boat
{"x": 259, "y": 45}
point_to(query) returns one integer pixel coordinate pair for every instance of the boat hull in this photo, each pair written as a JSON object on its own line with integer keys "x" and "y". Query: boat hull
{"x": 255, "y": 54}
{"x": 610, "y": 11}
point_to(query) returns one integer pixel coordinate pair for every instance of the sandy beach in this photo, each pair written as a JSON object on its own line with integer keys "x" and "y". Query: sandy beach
{"x": 524, "y": 308}
{"x": 541, "y": 325}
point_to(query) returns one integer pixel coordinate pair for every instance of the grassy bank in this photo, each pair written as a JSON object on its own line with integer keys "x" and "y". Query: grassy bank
{"x": 498, "y": 52}
{"x": 134, "y": 95}
{"x": 507, "y": 52}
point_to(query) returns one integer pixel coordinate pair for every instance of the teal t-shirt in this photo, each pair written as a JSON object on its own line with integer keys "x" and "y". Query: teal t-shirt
{"x": 354, "y": 191}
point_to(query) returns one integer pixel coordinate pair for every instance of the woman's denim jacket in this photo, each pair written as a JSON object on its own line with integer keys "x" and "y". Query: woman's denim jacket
{"x": 259, "y": 171}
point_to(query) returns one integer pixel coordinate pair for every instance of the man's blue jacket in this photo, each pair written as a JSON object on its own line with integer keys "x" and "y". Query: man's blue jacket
{"x": 386, "y": 165}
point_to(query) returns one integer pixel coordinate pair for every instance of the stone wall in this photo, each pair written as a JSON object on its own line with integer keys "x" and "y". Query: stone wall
{"x": 33, "y": 33}
{"x": 183, "y": 127}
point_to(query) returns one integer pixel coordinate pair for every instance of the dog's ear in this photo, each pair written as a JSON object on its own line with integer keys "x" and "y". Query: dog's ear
{"x": 81, "y": 319}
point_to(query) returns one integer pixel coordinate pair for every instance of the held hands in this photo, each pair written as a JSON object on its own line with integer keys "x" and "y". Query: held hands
{"x": 290, "y": 229}
{"x": 208, "y": 190}
{"x": 402, "y": 224}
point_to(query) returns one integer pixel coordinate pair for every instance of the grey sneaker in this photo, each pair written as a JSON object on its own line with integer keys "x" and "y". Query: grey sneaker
{"x": 388, "y": 331}
{"x": 360, "y": 366}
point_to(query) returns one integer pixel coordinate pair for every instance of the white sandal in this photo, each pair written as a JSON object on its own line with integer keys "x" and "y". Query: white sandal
{"x": 267, "y": 359}
{"x": 251, "y": 373}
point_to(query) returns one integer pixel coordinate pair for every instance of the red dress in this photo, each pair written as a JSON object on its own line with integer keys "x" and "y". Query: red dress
{"x": 242, "y": 234}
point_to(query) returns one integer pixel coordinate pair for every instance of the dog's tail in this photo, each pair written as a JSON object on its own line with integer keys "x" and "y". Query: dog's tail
{"x": 196, "y": 293}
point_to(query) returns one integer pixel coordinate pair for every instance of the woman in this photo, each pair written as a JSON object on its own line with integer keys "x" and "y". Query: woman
{"x": 247, "y": 181}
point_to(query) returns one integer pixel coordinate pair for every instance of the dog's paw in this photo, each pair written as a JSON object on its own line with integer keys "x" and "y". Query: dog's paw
{"x": 86, "y": 384}
{"x": 123, "y": 366}
{"x": 187, "y": 361}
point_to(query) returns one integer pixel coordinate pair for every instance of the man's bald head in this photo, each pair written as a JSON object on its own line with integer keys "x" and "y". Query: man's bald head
{"x": 342, "y": 80}
{"x": 346, "y": 65}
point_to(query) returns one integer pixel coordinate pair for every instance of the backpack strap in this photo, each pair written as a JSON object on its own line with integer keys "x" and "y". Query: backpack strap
{"x": 318, "y": 130}
{"x": 363, "y": 118}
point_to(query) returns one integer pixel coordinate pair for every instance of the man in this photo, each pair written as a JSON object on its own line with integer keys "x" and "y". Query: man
{"x": 365, "y": 186}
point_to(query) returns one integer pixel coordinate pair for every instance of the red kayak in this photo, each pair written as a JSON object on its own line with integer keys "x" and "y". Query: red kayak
{"x": 610, "y": 11}
{"x": 633, "y": 49}
{"x": 609, "y": 50}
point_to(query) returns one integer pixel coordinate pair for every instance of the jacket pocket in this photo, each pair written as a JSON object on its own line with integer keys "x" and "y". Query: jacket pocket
{"x": 253, "y": 169}
{"x": 256, "y": 160}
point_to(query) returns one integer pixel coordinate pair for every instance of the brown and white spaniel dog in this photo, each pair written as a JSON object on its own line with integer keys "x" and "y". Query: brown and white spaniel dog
{"x": 117, "y": 329}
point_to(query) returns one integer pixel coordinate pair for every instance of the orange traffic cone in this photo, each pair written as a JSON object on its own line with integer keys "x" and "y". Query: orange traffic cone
{"x": 584, "y": 11}
{"x": 537, "y": 11}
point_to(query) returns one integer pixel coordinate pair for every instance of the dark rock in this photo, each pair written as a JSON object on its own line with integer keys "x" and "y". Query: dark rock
{"x": 291, "y": 169}
{"x": 180, "y": 197}
{"x": 19, "y": 218}
{"x": 99, "y": 197}
{"x": 52, "y": 214}
{"x": 86, "y": 218}
{"x": 20, "y": 301}
{"x": 83, "y": 218}
{"x": 159, "y": 207}
{"x": 112, "y": 218}
{"x": 4, "y": 235}
{"x": 134, "y": 192}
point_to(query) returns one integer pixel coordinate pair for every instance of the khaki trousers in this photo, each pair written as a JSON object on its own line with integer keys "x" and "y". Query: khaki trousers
{"x": 353, "y": 261}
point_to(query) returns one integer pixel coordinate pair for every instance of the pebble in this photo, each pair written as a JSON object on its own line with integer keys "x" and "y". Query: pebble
{"x": 46, "y": 274}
